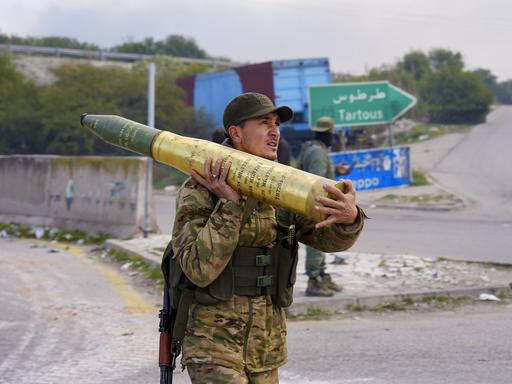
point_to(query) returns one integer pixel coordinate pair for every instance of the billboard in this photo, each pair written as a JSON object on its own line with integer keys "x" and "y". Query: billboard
{"x": 374, "y": 168}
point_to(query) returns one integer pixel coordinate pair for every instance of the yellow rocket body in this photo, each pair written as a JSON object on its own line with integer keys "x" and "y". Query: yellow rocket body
{"x": 264, "y": 180}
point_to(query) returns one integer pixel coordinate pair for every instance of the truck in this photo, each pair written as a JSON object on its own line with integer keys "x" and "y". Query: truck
{"x": 286, "y": 82}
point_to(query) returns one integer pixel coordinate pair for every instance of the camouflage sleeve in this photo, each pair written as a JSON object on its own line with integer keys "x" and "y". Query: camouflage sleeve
{"x": 314, "y": 161}
{"x": 205, "y": 234}
{"x": 333, "y": 238}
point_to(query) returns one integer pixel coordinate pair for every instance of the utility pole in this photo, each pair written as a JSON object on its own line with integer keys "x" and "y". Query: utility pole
{"x": 151, "y": 123}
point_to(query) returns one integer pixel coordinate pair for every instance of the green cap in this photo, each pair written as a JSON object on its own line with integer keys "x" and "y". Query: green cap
{"x": 323, "y": 124}
{"x": 250, "y": 105}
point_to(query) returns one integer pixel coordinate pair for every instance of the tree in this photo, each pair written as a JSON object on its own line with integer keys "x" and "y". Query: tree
{"x": 445, "y": 92}
{"x": 416, "y": 64}
{"x": 86, "y": 89}
{"x": 444, "y": 59}
{"x": 456, "y": 97}
{"x": 112, "y": 90}
{"x": 172, "y": 45}
{"x": 504, "y": 92}
{"x": 47, "y": 41}
{"x": 19, "y": 106}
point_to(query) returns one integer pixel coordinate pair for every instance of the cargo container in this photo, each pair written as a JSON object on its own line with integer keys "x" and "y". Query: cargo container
{"x": 284, "y": 81}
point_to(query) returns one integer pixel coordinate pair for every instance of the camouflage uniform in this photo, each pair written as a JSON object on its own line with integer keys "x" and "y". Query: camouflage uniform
{"x": 242, "y": 336}
{"x": 314, "y": 158}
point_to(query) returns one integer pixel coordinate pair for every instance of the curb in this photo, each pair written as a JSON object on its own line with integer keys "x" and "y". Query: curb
{"x": 332, "y": 305}
{"x": 152, "y": 260}
{"x": 418, "y": 207}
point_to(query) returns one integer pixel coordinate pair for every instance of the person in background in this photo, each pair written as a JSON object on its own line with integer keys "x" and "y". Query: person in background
{"x": 283, "y": 151}
{"x": 218, "y": 136}
{"x": 314, "y": 158}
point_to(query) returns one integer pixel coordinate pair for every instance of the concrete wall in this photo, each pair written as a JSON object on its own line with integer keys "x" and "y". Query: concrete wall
{"x": 94, "y": 194}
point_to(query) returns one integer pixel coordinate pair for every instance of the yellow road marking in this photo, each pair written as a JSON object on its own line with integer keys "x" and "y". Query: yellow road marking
{"x": 132, "y": 300}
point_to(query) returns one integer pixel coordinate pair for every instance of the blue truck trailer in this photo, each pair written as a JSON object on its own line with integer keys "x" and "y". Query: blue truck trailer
{"x": 284, "y": 81}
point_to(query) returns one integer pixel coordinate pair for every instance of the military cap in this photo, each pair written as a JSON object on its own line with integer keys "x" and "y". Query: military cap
{"x": 323, "y": 124}
{"x": 250, "y": 105}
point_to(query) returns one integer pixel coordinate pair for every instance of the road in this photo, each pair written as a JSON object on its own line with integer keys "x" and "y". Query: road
{"x": 452, "y": 235}
{"x": 477, "y": 168}
{"x": 472, "y": 345}
{"x": 69, "y": 318}
{"x": 480, "y": 168}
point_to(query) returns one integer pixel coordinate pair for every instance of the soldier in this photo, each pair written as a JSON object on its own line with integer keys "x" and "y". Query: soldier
{"x": 314, "y": 158}
{"x": 230, "y": 247}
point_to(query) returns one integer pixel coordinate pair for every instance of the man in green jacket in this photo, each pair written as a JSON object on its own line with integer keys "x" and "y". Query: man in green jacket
{"x": 314, "y": 158}
{"x": 241, "y": 338}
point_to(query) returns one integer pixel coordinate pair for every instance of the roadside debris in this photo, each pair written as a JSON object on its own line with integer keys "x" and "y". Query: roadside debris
{"x": 488, "y": 297}
{"x": 38, "y": 245}
{"x": 126, "y": 266}
{"x": 39, "y": 232}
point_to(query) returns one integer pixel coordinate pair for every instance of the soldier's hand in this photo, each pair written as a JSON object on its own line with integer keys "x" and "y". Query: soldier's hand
{"x": 339, "y": 209}
{"x": 214, "y": 179}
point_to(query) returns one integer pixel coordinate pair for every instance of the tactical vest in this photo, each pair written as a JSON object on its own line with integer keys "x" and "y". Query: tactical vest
{"x": 258, "y": 272}
{"x": 251, "y": 271}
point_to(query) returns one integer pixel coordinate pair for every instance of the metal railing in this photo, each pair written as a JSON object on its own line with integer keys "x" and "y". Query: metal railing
{"x": 102, "y": 55}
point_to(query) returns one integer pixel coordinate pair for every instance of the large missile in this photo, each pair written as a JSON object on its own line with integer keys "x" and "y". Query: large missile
{"x": 264, "y": 180}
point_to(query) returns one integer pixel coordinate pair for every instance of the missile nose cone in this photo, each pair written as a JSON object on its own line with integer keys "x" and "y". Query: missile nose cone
{"x": 82, "y": 118}
{"x": 121, "y": 132}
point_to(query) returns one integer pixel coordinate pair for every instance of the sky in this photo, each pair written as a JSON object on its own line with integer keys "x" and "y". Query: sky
{"x": 355, "y": 35}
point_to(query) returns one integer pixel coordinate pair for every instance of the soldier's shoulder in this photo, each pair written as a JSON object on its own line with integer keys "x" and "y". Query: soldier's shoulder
{"x": 192, "y": 189}
{"x": 312, "y": 145}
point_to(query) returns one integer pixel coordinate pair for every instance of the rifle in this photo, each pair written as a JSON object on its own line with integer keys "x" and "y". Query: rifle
{"x": 167, "y": 352}
{"x": 170, "y": 334}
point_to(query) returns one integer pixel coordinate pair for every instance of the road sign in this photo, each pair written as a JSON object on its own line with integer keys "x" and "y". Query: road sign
{"x": 374, "y": 168}
{"x": 365, "y": 103}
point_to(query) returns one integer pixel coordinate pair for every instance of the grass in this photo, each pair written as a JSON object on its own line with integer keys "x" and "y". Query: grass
{"x": 433, "y": 301}
{"x": 45, "y": 233}
{"x": 313, "y": 313}
{"x": 419, "y": 178}
{"x": 422, "y": 132}
{"x": 503, "y": 295}
{"x": 415, "y": 198}
{"x": 357, "y": 308}
{"x": 443, "y": 301}
{"x": 393, "y": 306}
{"x": 137, "y": 264}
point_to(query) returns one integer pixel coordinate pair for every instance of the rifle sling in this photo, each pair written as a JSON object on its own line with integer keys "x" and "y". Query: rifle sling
{"x": 186, "y": 300}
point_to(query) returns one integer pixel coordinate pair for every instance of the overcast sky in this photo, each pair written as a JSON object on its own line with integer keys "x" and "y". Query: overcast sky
{"x": 354, "y": 34}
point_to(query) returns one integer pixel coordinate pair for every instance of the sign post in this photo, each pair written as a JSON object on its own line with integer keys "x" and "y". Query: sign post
{"x": 366, "y": 103}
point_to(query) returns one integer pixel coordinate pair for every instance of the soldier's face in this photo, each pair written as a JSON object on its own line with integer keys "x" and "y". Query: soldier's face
{"x": 258, "y": 136}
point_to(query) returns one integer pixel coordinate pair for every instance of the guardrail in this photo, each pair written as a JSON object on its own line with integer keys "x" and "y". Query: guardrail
{"x": 102, "y": 55}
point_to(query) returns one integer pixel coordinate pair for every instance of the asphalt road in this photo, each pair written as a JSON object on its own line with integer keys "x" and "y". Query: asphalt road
{"x": 67, "y": 318}
{"x": 472, "y": 345}
{"x": 480, "y": 167}
{"x": 452, "y": 235}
